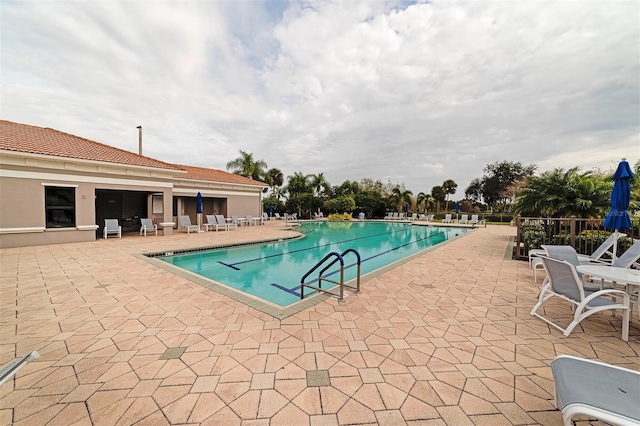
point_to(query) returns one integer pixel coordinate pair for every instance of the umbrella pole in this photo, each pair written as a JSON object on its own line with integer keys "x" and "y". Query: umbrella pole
{"x": 615, "y": 244}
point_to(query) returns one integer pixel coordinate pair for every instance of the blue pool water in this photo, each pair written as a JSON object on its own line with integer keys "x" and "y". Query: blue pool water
{"x": 273, "y": 271}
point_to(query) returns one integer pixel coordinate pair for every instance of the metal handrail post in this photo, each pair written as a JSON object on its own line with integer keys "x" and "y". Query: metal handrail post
{"x": 341, "y": 281}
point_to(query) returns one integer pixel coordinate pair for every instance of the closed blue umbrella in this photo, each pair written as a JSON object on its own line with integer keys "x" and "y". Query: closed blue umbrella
{"x": 618, "y": 217}
{"x": 457, "y": 209}
{"x": 199, "y": 203}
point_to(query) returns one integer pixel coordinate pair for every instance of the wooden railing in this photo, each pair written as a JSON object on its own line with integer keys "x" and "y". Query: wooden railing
{"x": 585, "y": 235}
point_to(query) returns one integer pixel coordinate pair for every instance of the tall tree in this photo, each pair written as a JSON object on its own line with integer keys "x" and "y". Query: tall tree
{"x": 501, "y": 179}
{"x": 320, "y": 185}
{"x": 298, "y": 184}
{"x": 347, "y": 188}
{"x": 450, "y": 188}
{"x": 245, "y": 165}
{"x": 474, "y": 190}
{"x": 438, "y": 194}
{"x": 423, "y": 200}
{"x": 274, "y": 178}
{"x": 400, "y": 196}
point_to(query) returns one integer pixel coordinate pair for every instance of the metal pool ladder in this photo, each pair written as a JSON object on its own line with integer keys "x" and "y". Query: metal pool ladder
{"x": 336, "y": 258}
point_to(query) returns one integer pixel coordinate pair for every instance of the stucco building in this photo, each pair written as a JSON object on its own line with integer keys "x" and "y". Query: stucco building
{"x": 57, "y": 188}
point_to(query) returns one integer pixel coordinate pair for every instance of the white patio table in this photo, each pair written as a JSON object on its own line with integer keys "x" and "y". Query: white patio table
{"x": 629, "y": 278}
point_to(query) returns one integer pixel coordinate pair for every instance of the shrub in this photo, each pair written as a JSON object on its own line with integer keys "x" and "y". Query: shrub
{"x": 533, "y": 235}
{"x": 336, "y": 217}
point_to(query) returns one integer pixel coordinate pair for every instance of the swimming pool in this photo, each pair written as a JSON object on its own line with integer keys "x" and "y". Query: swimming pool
{"x": 272, "y": 271}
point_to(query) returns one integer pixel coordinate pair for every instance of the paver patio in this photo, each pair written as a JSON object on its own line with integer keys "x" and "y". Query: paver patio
{"x": 445, "y": 338}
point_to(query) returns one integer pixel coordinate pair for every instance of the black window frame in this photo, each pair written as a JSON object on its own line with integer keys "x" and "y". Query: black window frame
{"x": 60, "y": 207}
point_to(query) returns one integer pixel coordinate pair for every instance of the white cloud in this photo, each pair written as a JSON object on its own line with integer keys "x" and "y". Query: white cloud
{"x": 420, "y": 93}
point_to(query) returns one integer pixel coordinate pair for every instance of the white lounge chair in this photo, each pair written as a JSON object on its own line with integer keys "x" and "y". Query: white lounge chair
{"x": 7, "y": 372}
{"x": 602, "y": 250}
{"x": 185, "y": 222}
{"x": 249, "y": 219}
{"x": 563, "y": 281}
{"x": 447, "y": 218}
{"x": 277, "y": 216}
{"x": 464, "y": 218}
{"x": 595, "y": 389}
{"x": 237, "y": 220}
{"x": 147, "y": 225}
{"x": 212, "y": 223}
{"x": 475, "y": 220}
{"x": 111, "y": 227}
{"x": 222, "y": 221}
{"x": 629, "y": 258}
{"x": 431, "y": 217}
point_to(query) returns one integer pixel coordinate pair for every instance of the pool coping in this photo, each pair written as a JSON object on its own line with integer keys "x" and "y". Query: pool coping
{"x": 265, "y": 306}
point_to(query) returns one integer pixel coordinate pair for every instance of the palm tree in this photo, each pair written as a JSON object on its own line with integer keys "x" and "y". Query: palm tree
{"x": 560, "y": 193}
{"x": 449, "y": 188}
{"x": 424, "y": 200}
{"x": 320, "y": 184}
{"x": 298, "y": 184}
{"x": 246, "y": 166}
{"x": 274, "y": 177}
{"x": 438, "y": 194}
{"x": 399, "y": 196}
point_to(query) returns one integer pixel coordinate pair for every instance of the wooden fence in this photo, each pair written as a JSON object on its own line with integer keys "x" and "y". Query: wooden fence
{"x": 585, "y": 235}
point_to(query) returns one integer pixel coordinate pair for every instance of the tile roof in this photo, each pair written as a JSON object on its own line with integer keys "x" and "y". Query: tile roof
{"x": 201, "y": 173}
{"x": 39, "y": 140}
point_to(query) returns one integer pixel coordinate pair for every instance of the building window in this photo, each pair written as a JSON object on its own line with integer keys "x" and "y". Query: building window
{"x": 60, "y": 206}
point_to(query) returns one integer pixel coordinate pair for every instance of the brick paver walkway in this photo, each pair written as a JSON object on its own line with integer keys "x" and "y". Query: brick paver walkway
{"x": 443, "y": 339}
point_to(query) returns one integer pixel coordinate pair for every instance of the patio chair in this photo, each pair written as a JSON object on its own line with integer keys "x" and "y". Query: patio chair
{"x": 475, "y": 220}
{"x": 414, "y": 216}
{"x": 464, "y": 218}
{"x": 7, "y": 372}
{"x": 568, "y": 254}
{"x": 185, "y": 222}
{"x": 447, "y": 218}
{"x": 112, "y": 227}
{"x": 629, "y": 258}
{"x": 222, "y": 221}
{"x": 431, "y": 217}
{"x": 596, "y": 389}
{"x": 563, "y": 281}
{"x": 277, "y": 216}
{"x": 603, "y": 249}
{"x": 237, "y": 221}
{"x": 212, "y": 223}
{"x": 147, "y": 225}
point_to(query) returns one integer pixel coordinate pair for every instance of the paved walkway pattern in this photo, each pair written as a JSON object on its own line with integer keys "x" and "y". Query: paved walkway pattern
{"x": 445, "y": 338}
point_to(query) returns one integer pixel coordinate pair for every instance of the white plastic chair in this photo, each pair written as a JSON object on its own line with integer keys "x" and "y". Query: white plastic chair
{"x": 147, "y": 225}
{"x": 222, "y": 221}
{"x": 464, "y": 218}
{"x": 112, "y": 227}
{"x": 185, "y": 222}
{"x": 447, "y": 218}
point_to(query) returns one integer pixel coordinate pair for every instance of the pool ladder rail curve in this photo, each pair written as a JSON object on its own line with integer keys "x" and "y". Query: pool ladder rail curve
{"x": 336, "y": 258}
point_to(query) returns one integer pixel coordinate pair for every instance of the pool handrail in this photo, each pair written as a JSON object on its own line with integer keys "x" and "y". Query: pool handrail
{"x": 338, "y": 258}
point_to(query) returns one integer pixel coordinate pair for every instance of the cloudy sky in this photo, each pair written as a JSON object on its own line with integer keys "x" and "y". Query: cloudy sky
{"x": 407, "y": 92}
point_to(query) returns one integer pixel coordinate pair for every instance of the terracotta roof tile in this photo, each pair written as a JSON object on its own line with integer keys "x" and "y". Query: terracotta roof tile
{"x": 201, "y": 173}
{"x": 39, "y": 140}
